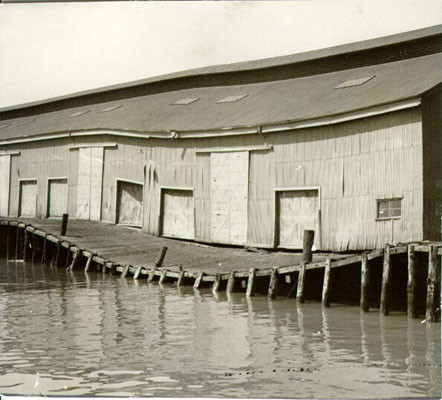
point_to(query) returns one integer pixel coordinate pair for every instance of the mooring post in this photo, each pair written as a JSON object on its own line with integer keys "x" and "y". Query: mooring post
{"x": 64, "y": 224}
{"x": 251, "y": 283}
{"x": 231, "y": 282}
{"x": 432, "y": 281}
{"x": 216, "y": 283}
{"x": 300, "y": 295}
{"x": 273, "y": 284}
{"x": 365, "y": 283}
{"x": 326, "y": 287}
{"x": 160, "y": 257}
{"x": 385, "y": 290}
{"x": 307, "y": 244}
{"x": 411, "y": 284}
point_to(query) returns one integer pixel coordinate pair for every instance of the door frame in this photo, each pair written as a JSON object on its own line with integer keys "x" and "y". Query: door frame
{"x": 20, "y": 180}
{"x": 160, "y": 206}
{"x": 47, "y": 193}
{"x": 117, "y": 180}
{"x": 276, "y": 191}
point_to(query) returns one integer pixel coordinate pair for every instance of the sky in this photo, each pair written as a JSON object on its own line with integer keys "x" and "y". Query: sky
{"x": 53, "y": 49}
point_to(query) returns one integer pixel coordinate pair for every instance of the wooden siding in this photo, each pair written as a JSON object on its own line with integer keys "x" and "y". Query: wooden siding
{"x": 57, "y": 197}
{"x": 353, "y": 163}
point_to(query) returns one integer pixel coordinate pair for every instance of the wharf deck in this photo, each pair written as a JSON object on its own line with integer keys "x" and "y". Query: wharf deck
{"x": 128, "y": 246}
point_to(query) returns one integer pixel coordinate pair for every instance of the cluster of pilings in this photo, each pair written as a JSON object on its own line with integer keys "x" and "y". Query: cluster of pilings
{"x": 403, "y": 277}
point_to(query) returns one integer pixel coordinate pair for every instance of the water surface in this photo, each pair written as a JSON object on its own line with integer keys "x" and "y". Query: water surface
{"x": 92, "y": 334}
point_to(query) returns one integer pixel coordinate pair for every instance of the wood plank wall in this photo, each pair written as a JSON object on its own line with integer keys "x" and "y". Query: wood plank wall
{"x": 353, "y": 163}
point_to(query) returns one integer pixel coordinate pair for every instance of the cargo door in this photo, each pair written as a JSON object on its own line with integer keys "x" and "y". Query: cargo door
{"x": 5, "y": 169}
{"x": 178, "y": 213}
{"x": 28, "y": 198}
{"x": 228, "y": 197}
{"x": 57, "y": 197}
{"x": 297, "y": 210}
{"x": 129, "y": 203}
{"x": 90, "y": 180}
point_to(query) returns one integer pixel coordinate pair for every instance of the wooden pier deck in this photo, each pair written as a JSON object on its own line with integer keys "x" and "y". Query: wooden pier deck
{"x": 125, "y": 251}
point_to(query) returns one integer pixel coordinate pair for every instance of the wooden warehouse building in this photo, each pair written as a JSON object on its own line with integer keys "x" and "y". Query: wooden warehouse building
{"x": 345, "y": 141}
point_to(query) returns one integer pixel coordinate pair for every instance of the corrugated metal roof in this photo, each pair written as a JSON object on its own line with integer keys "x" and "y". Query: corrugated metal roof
{"x": 267, "y": 103}
{"x": 257, "y": 64}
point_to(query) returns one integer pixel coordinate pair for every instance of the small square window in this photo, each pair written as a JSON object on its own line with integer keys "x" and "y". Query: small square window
{"x": 389, "y": 208}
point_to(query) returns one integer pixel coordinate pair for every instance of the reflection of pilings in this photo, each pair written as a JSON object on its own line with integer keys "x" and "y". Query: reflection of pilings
{"x": 433, "y": 356}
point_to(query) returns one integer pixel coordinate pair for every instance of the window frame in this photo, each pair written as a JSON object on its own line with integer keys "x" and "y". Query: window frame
{"x": 389, "y": 217}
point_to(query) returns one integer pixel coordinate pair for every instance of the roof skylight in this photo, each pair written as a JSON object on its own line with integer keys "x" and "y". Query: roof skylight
{"x": 185, "y": 102}
{"x": 78, "y": 113}
{"x": 232, "y": 99}
{"x": 354, "y": 82}
{"x": 111, "y": 108}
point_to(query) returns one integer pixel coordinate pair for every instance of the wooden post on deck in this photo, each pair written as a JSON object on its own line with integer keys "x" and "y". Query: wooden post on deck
{"x": 64, "y": 224}
{"x": 160, "y": 257}
{"x": 411, "y": 284}
{"x": 326, "y": 287}
{"x": 251, "y": 283}
{"x": 385, "y": 290}
{"x": 432, "y": 281}
{"x": 365, "y": 283}
{"x": 216, "y": 283}
{"x": 300, "y": 295}
{"x": 231, "y": 282}
{"x": 307, "y": 244}
{"x": 273, "y": 284}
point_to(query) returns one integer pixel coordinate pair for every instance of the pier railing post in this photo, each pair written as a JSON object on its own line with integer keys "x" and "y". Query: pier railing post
{"x": 365, "y": 283}
{"x": 385, "y": 290}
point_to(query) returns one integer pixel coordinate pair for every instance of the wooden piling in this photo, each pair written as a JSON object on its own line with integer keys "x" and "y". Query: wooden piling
{"x": 273, "y": 284}
{"x": 8, "y": 229}
{"x": 125, "y": 271}
{"x": 251, "y": 283}
{"x": 68, "y": 256}
{"x": 432, "y": 281}
{"x": 17, "y": 241}
{"x": 326, "y": 287}
{"x": 300, "y": 295}
{"x": 88, "y": 263}
{"x": 198, "y": 280}
{"x": 151, "y": 274}
{"x": 25, "y": 245}
{"x": 138, "y": 272}
{"x": 163, "y": 276}
{"x": 44, "y": 250}
{"x": 411, "y": 284}
{"x": 231, "y": 282}
{"x": 216, "y": 283}
{"x": 365, "y": 282}
{"x": 385, "y": 290}
{"x": 113, "y": 268}
{"x": 307, "y": 244}
{"x": 75, "y": 258}
{"x": 180, "y": 278}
